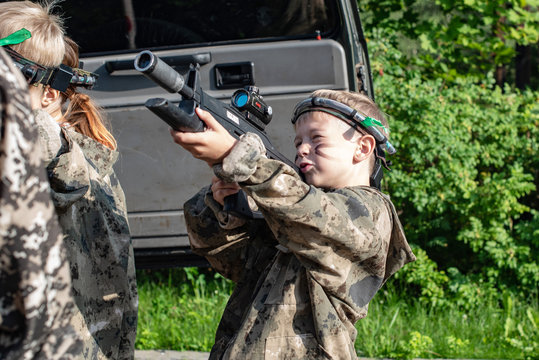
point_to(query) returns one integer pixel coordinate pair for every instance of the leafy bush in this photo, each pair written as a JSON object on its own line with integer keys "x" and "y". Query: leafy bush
{"x": 423, "y": 278}
{"x": 453, "y": 38}
{"x": 464, "y": 177}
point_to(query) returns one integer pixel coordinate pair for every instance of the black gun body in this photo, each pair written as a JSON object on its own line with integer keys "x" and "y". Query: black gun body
{"x": 237, "y": 125}
{"x": 182, "y": 117}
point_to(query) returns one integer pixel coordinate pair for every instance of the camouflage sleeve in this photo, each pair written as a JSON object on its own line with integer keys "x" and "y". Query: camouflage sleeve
{"x": 219, "y": 240}
{"x": 341, "y": 237}
{"x": 36, "y": 305}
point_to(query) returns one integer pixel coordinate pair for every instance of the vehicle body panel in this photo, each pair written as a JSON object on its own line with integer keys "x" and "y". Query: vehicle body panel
{"x": 157, "y": 175}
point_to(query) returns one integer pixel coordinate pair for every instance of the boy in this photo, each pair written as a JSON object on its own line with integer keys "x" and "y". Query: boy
{"x": 306, "y": 272}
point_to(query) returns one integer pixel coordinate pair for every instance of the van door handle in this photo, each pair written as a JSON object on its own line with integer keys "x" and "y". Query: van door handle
{"x": 175, "y": 60}
{"x": 234, "y": 75}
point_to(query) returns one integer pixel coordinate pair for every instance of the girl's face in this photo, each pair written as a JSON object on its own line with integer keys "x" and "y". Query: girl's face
{"x": 46, "y": 98}
{"x": 36, "y": 93}
{"x": 325, "y": 150}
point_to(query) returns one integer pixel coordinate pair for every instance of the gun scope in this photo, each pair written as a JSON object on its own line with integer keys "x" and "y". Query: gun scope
{"x": 249, "y": 100}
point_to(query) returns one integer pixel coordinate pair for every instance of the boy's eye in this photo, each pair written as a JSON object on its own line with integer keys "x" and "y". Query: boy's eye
{"x": 317, "y": 138}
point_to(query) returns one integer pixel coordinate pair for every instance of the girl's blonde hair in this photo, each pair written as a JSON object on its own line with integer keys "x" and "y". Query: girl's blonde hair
{"x": 46, "y": 46}
{"x": 82, "y": 112}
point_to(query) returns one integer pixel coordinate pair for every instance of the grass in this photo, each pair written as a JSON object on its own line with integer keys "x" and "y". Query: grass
{"x": 400, "y": 329}
{"x": 179, "y": 309}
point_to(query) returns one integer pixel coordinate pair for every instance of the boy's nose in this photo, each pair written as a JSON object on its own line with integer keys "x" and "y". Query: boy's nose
{"x": 303, "y": 150}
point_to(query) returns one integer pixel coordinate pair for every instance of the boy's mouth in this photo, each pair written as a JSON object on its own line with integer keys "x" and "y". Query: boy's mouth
{"x": 305, "y": 166}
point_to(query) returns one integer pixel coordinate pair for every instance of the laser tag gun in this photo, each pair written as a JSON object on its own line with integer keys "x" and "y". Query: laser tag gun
{"x": 247, "y": 113}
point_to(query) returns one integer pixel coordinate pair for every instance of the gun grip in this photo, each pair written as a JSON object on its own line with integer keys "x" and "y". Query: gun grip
{"x": 237, "y": 204}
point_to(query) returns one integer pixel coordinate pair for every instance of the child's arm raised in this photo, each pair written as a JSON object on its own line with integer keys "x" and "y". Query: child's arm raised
{"x": 342, "y": 237}
{"x": 226, "y": 241}
{"x": 211, "y": 145}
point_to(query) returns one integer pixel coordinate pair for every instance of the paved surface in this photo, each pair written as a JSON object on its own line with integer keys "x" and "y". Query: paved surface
{"x": 189, "y": 355}
{"x": 194, "y": 355}
{"x": 181, "y": 355}
{"x": 170, "y": 355}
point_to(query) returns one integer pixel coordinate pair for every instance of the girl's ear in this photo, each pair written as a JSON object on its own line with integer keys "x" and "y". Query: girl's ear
{"x": 50, "y": 97}
{"x": 365, "y": 147}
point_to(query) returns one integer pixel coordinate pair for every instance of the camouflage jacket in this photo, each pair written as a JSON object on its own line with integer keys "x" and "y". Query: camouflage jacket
{"x": 306, "y": 273}
{"x": 36, "y": 306}
{"x": 91, "y": 207}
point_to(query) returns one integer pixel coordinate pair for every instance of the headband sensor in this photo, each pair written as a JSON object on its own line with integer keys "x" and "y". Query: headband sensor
{"x": 348, "y": 114}
{"x": 58, "y": 78}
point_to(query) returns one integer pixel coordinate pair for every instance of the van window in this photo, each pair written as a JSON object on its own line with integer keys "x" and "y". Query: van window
{"x": 123, "y": 25}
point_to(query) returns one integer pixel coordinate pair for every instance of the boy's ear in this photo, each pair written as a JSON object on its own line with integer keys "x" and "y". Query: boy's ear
{"x": 365, "y": 147}
{"x": 50, "y": 96}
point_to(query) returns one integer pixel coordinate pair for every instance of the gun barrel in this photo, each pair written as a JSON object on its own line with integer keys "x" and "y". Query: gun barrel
{"x": 161, "y": 73}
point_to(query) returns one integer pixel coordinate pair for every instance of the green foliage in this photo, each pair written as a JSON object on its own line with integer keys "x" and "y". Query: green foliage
{"x": 453, "y": 38}
{"x": 400, "y": 327}
{"x": 523, "y": 334}
{"x": 423, "y": 278}
{"x": 179, "y": 309}
{"x": 465, "y": 174}
{"x": 441, "y": 289}
{"x": 456, "y": 345}
{"x": 418, "y": 345}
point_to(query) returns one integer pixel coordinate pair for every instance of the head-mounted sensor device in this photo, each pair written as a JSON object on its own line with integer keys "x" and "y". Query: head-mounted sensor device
{"x": 58, "y": 78}
{"x": 357, "y": 121}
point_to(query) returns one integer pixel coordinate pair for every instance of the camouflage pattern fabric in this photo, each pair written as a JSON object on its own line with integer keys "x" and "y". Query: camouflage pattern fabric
{"x": 36, "y": 306}
{"x": 91, "y": 207}
{"x": 306, "y": 274}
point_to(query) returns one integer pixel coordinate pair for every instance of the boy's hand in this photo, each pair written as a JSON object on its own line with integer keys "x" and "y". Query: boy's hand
{"x": 221, "y": 189}
{"x": 211, "y": 145}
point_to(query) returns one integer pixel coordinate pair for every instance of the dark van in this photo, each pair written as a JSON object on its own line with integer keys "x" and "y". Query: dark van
{"x": 287, "y": 48}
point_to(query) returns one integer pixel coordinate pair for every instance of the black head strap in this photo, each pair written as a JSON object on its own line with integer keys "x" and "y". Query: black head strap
{"x": 58, "y": 78}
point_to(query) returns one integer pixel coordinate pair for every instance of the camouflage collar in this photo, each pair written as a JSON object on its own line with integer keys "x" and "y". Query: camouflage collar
{"x": 98, "y": 154}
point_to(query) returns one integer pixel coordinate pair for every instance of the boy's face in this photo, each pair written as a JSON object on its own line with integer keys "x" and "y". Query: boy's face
{"x": 325, "y": 150}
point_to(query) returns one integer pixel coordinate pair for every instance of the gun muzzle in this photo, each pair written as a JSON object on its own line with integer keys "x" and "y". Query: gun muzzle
{"x": 161, "y": 73}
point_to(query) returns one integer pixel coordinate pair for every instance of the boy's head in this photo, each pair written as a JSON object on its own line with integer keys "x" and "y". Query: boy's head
{"x": 333, "y": 151}
{"x": 46, "y": 45}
